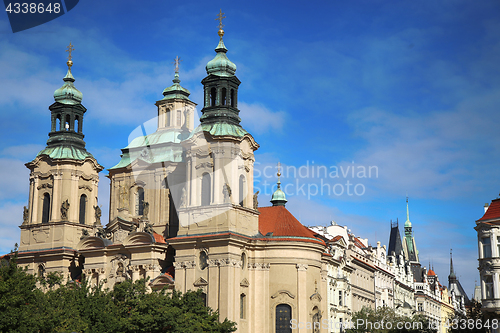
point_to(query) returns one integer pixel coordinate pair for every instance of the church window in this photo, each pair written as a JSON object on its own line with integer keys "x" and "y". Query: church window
{"x": 243, "y": 261}
{"x": 203, "y": 296}
{"x": 283, "y": 317}
{"x": 59, "y": 122}
{"x": 232, "y": 98}
{"x": 213, "y": 96}
{"x": 66, "y": 123}
{"x": 205, "y": 189}
{"x": 167, "y": 118}
{"x": 173, "y": 218}
{"x": 203, "y": 260}
{"x": 242, "y": 190}
{"x": 83, "y": 207}
{"x": 242, "y": 306}
{"x": 486, "y": 247}
{"x": 224, "y": 96}
{"x": 179, "y": 117}
{"x": 139, "y": 204}
{"x": 488, "y": 283}
{"x": 316, "y": 320}
{"x": 46, "y": 208}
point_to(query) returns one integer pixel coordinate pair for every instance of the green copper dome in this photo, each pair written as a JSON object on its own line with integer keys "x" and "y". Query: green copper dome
{"x": 68, "y": 94}
{"x": 279, "y": 197}
{"x": 221, "y": 65}
{"x": 176, "y": 90}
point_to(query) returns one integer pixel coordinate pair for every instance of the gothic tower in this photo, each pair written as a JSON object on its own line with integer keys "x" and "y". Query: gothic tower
{"x": 63, "y": 187}
{"x": 409, "y": 245}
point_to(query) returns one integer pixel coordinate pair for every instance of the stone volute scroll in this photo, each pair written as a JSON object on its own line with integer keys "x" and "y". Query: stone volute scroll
{"x": 64, "y": 209}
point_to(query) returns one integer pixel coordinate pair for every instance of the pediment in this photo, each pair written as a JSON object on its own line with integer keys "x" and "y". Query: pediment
{"x": 201, "y": 282}
{"x": 139, "y": 238}
{"x": 244, "y": 283}
{"x": 315, "y": 296}
{"x": 284, "y": 293}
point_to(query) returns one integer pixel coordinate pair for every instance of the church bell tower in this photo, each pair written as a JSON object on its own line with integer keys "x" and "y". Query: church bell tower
{"x": 63, "y": 186}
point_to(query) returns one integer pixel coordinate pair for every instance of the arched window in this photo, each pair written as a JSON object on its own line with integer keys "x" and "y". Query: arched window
{"x": 41, "y": 270}
{"x": 205, "y": 190}
{"x": 243, "y": 306}
{"x": 173, "y": 218}
{"x": 242, "y": 190}
{"x": 83, "y": 208}
{"x": 232, "y": 98}
{"x": 203, "y": 260}
{"x": 283, "y": 317}
{"x": 67, "y": 122}
{"x": 224, "y": 96}
{"x": 46, "y": 208}
{"x": 77, "y": 124}
{"x": 139, "y": 201}
{"x": 213, "y": 96}
{"x": 59, "y": 122}
{"x": 316, "y": 320}
{"x": 243, "y": 260}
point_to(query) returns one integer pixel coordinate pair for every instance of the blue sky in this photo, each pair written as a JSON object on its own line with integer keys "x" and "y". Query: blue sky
{"x": 411, "y": 88}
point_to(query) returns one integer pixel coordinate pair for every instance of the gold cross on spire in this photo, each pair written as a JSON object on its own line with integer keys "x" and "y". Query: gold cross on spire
{"x": 70, "y": 49}
{"x": 177, "y": 62}
{"x": 219, "y": 18}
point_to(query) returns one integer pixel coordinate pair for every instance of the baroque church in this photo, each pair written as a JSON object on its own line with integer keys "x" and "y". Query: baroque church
{"x": 183, "y": 213}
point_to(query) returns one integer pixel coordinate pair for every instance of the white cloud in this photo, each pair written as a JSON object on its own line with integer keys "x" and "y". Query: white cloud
{"x": 10, "y": 220}
{"x": 257, "y": 118}
{"x": 16, "y": 182}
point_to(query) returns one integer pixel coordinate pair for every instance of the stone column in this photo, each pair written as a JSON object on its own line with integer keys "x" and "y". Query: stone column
{"x": 213, "y": 284}
{"x": 302, "y": 294}
{"x": 56, "y": 196}
{"x": 496, "y": 292}
{"x": 218, "y": 177}
{"x": 136, "y": 272}
{"x": 33, "y": 206}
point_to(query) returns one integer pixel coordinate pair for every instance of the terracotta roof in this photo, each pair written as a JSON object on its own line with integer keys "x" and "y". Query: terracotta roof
{"x": 336, "y": 238}
{"x": 493, "y": 211}
{"x": 281, "y": 223}
{"x": 358, "y": 243}
{"x": 159, "y": 238}
{"x": 431, "y": 273}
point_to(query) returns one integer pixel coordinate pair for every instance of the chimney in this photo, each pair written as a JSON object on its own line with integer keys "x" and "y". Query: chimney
{"x": 486, "y": 206}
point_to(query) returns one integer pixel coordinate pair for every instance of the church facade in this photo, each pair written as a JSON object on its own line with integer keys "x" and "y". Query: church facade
{"x": 183, "y": 213}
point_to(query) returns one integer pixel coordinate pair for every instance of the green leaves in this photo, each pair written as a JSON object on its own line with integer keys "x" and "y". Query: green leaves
{"x": 75, "y": 307}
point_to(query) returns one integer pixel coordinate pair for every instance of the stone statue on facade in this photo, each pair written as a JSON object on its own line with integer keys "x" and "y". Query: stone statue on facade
{"x": 145, "y": 210}
{"x": 255, "y": 201}
{"x": 25, "y": 215}
{"x": 64, "y": 209}
{"x": 183, "y": 198}
{"x": 85, "y": 233}
{"x": 123, "y": 197}
{"x": 148, "y": 228}
{"x": 98, "y": 214}
{"x": 102, "y": 233}
{"x": 226, "y": 190}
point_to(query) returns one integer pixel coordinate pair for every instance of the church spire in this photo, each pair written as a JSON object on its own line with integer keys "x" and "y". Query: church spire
{"x": 452, "y": 271}
{"x": 279, "y": 198}
{"x": 176, "y": 90}
{"x": 407, "y": 223}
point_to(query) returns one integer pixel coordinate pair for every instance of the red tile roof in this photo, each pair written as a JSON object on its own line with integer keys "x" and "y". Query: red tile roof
{"x": 279, "y": 221}
{"x": 493, "y": 211}
{"x": 159, "y": 238}
{"x": 336, "y": 238}
{"x": 358, "y": 243}
{"x": 431, "y": 273}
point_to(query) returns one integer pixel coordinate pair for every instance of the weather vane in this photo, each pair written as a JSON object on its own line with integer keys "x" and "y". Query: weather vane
{"x": 70, "y": 49}
{"x": 219, "y": 18}
{"x": 177, "y": 62}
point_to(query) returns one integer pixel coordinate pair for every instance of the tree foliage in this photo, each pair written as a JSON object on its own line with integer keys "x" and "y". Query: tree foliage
{"x": 75, "y": 307}
{"x": 385, "y": 320}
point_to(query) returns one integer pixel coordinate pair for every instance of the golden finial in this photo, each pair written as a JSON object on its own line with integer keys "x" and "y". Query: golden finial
{"x": 70, "y": 49}
{"x": 177, "y": 62}
{"x": 279, "y": 169}
{"x": 219, "y": 18}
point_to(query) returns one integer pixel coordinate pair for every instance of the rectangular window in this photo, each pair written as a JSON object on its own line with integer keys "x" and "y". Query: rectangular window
{"x": 488, "y": 283}
{"x": 167, "y": 118}
{"x": 341, "y": 325}
{"x": 340, "y": 297}
{"x": 178, "y": 118}
{"x": 242, "y": 306}
{"x": 420, "y": 307}
{"x": 486, "y": 247}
